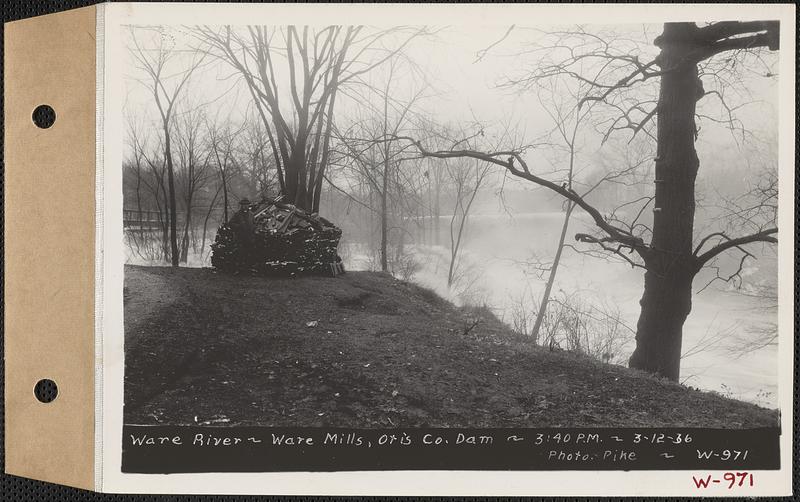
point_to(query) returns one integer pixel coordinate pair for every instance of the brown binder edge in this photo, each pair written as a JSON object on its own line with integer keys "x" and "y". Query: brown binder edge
{"x": 50, "y": 247}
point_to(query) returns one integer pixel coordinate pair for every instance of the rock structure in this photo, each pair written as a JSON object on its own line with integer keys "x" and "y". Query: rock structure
{"x": 271, "y": 237}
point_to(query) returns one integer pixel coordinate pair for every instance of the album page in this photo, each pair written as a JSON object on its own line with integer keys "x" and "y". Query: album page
{"x": 440, "y": 249}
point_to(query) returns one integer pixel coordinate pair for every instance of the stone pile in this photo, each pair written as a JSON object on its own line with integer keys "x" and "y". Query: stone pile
{"x": 278, "y": 239}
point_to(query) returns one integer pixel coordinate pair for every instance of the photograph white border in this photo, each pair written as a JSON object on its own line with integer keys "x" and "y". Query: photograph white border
{"x": 111, "y": 257}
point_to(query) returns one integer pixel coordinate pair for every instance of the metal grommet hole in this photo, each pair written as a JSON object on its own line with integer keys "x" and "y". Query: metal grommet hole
{"x": 44, "y": 116}
{"x": 46, "y": 390}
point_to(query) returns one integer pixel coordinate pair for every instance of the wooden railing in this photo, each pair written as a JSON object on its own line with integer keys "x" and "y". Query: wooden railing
{"x": 133, "y": 219}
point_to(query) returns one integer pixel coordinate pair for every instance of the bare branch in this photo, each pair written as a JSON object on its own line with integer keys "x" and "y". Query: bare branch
{"x": 602, "y": 242}
{"x": 481, "y": 53}
{"x": 735, "y": 275}
{"x": 763, "y": 236}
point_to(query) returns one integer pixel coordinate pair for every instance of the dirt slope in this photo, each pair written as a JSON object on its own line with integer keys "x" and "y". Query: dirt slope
{"x": 366, "y": 350}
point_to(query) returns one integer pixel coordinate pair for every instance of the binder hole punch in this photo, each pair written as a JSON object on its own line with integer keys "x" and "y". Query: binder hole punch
{"x": 44, "y": 116}
{"x": 46, "y": 390}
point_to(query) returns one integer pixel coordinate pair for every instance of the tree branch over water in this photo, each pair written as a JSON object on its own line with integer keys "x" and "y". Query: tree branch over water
{"x": 512, "y": 161}
{"x": 728, "y": 243}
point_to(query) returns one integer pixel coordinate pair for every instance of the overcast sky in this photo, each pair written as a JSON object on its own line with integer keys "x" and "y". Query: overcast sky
{"x": 464, "y": 88}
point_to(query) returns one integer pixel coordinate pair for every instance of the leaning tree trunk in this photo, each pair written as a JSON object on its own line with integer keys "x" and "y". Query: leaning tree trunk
{"x": 552, "y": 276}
{"x": 666, "y": 301}
{"x": 186, "y": 227}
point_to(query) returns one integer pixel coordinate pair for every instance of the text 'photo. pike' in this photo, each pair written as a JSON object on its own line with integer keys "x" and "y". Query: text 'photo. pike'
{"x": 483, "y": 228}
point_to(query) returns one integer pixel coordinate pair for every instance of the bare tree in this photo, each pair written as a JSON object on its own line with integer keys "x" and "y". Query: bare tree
{"x": 377, "y": 160}
{"x": 567, "y": 119}
{"x": 146, "y": 163}
{"x": 222, "y": 138}
{"x": 561, "y": 100}
{"x": 467, "y": 182}
{"x": 157, "y": 63}
{"x": 318, "y": 64}
{"x": 260, "y": 170}
{"x": 136, "y": 163}
{"x": 193, "y": 172}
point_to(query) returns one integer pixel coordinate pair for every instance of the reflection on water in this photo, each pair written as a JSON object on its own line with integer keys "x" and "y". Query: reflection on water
{"x": 495, "y": 254}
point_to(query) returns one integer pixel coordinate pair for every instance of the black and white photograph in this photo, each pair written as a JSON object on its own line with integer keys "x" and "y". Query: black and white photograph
{"x": 411, "y": 227}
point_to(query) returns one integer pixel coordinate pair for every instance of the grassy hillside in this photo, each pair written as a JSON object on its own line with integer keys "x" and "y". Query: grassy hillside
{"x": 366, "y": 350}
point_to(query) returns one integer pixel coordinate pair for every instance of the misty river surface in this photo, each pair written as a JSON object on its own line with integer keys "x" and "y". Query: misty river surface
{"x": 497, "y": 248}
{"x": 494, "y": 255}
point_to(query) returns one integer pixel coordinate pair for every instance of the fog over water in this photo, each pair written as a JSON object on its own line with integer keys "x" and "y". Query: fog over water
{"x": 498, "y": 244}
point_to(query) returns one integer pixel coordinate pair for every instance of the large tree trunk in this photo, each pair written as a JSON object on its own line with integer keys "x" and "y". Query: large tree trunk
{"x": 666, "y": 301}
{"x": 326, "y": 145}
